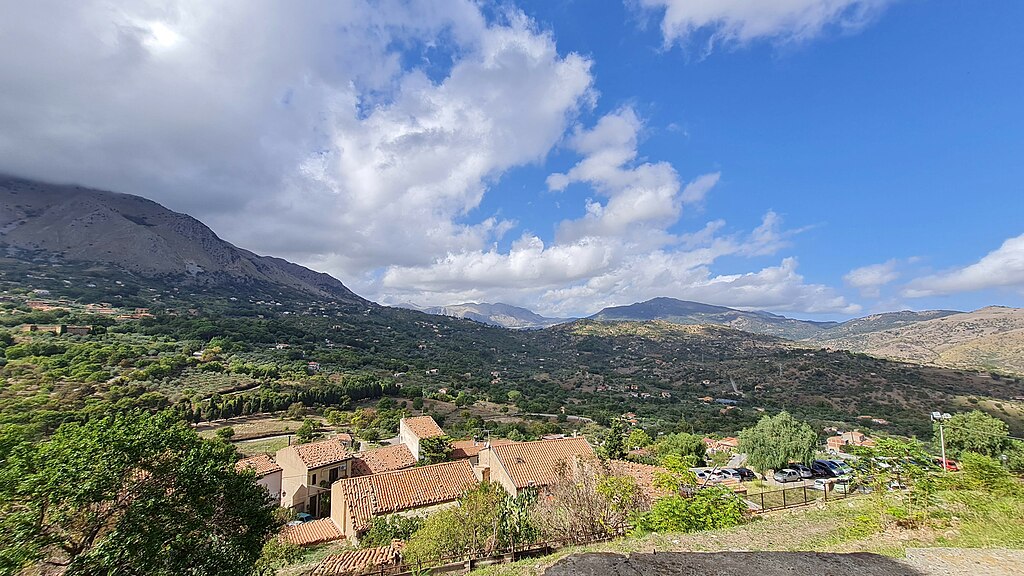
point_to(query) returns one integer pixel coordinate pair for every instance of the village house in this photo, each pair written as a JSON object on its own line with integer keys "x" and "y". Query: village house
{"x": 836, "y": 443}
{"x": 470, "y": 449}
{"x": 412, "y": 430}
{"x": 727, "y": 444}
{"x": 412, "y": 491}
{"x": 523, "y": 465}
{"x": 384, "y": 459}
{"x": 308, "y": 470}
{"x": 268, "y": 473}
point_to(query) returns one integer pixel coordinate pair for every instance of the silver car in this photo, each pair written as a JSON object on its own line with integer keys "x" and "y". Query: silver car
{"x": 787, "y": 475}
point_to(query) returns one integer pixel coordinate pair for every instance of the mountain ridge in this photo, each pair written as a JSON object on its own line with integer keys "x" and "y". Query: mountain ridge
{"x": 78, "y": 224}
{"x": 495, "y": 314}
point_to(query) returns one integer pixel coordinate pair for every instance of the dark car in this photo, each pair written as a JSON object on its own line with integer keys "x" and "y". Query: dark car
{"x": 804, "y": 471}
{"x": 746, "y": 474}
{"x": 823, "y": 470}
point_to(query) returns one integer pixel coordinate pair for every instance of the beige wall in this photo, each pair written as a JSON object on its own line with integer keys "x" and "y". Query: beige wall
{"x": 293, "y": 479}
{"x": 498, "y": 472}
{"x": 412, "y": 441}
{"x": 272, "y": 482}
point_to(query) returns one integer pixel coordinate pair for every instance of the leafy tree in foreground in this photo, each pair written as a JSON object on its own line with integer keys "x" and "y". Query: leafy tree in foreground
{"x": 435, "y": 450}
{"x": 975, "y": 432}
{"x": 777, "y": 440}
{"x": 134, "y": 493}
{"x": 689, "y": 447}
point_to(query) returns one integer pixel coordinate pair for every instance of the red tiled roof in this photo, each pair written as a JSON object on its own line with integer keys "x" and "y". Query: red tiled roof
{"x": 423, "y": 427}
{"x": 534, "y": 463}
{"x": 383, "y": 459}
{"x": 322, "y": 453}
{"x": 312, "y": 532}
{"x": 356, "y": 562}
{"x": 472, "y": 448}
{"x": 379, "y": 494}
{"x": 261, "y": 464}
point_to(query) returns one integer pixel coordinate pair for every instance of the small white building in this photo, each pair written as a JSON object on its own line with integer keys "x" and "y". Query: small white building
{"x": 412, "y": 430}
{"x": 268, "y": 473}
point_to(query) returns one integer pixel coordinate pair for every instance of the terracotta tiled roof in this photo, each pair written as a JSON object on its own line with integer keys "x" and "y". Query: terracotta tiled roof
{"x": 383, "y": 459}
{"x": 472, "y": 448}
{"x": 356, "y": 562}
{"x": 322, "y": 453}
{"x": 312, "y": 532}
{"x": 423, "y": 427}
{"x": 535, "y": 463}
{"x": 642, "y": 473}
{"x": 260, "y": 463}
{"x": 379, "y": 494}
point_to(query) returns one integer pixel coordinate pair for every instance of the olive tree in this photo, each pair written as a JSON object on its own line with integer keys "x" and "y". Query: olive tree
{"x": 777, "y": 440}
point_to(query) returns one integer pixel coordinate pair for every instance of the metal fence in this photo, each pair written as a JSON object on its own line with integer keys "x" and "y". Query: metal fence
{"x": 793, "y": 498}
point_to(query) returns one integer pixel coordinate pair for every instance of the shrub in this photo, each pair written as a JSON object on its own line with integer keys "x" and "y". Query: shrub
{"x": 708, "y": 509}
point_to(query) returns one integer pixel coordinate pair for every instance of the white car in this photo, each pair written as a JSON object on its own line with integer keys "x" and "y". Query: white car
{"x": 708, "y": 474}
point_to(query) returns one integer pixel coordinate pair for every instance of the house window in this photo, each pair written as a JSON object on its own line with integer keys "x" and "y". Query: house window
{"x": 314, "y": 480}
{"x": 333, "y": 474}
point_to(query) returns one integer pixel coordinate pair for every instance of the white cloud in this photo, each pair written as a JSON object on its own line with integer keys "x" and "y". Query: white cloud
{"x": 1001, "y": 268}
{"x": 870, "y": 279}
{"x": 359, "y": 137}
{"x": 742, "y": 21}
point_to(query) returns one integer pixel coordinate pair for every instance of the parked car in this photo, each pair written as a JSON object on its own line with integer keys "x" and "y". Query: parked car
{"x": 842, "y": 466}
{"x": 300, "y": 518}
{"x": 825, "y": 469}
{"x": 845, "y": 485}
{"x": 787, "y": 475}
{"x": 805, "y": 472}
{"x": 731, "y": 474}
{"x": 708, "y": 474}
{"x": 746, "y": 474}
{"x": 823, "y": 484}
{"x": 950, "y": 465}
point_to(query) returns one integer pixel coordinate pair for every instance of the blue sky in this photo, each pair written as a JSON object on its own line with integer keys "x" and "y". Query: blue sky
{"x": 816, "y": 158}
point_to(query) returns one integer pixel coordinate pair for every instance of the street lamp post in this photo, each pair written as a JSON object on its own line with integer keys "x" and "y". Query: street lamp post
{"x": 940, "y": 417}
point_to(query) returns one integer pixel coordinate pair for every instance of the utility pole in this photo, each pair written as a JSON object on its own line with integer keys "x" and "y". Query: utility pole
{"x": 940, "y": 417}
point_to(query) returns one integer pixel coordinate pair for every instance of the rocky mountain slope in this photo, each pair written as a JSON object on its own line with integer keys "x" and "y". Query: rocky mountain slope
{"x": 991, "y": 338}
{"x": 685, "y": 312}
{"x": 74, "y": 224}
{"x": 496, "y": 314}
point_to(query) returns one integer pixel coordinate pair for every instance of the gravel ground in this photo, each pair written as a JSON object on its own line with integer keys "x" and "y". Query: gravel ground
{"x": 966, "y": 561}
{"x": 730, "y": 564}
{"x": 919, "y": 562}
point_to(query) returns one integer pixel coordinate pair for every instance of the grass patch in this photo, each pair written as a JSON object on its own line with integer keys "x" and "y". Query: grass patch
{"x": 267, "y": 446}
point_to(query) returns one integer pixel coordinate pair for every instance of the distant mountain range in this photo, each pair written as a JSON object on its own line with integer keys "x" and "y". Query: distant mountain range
{"x": 504, "y": 315}
{"x": 105, "y": 231}
{"x": 990, "y": 338}
{"x": 686, "y": 312}
{"x": 130, "y": 233}
{"x": 987, "y": 339}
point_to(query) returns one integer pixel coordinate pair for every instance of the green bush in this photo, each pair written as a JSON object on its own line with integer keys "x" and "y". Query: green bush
{"x": 708, "y": 509}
